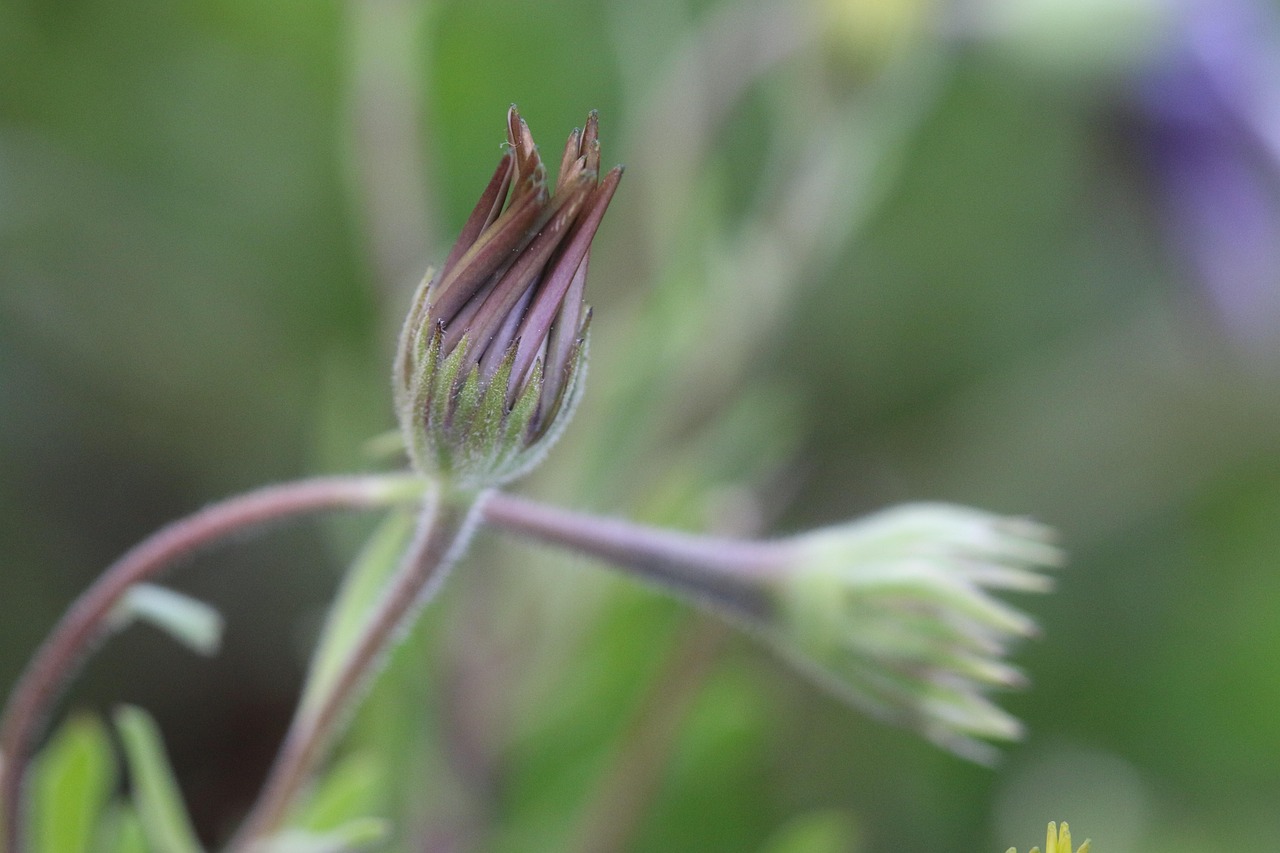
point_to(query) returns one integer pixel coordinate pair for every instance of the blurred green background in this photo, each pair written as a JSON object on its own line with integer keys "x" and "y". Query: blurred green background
{"x": 864, "y": 252}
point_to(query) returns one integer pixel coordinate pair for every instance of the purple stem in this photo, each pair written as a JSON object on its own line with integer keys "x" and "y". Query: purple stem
{"x": 730, "y": 575}
{"x": 85, "y": 622}
{"x": 443, "y": 533}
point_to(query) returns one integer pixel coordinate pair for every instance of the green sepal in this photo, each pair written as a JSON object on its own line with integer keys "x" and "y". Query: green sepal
{"x": 485, "y": 428}
{"x": 439, "y": 411}
{"x": 465, "y": 402}
{"x": 467, "y": 429}
{"x": 411, "y": 343}
{"x": 508, "y": 449}
{"x": 556, "y": 416}
{"x": 413, "y": 417}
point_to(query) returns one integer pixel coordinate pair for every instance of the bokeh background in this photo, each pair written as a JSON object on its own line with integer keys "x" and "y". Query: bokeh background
{"x": 1021, "y": 254}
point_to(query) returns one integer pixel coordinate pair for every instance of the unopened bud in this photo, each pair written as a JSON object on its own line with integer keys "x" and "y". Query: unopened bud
{"x": 492, "y": 355}
{"x": 893, "y": 612}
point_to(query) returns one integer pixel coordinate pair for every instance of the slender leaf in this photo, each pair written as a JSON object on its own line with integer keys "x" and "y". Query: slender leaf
{"x": 352, "y": 837}
{"x": 155, "y": 792}
{"x": 73, "y": 780}
{"x": 120, "y": 831}
{"x": 192, "y": 623}
{"x": 360, "y": 591}
{"x": 347, "y": 792}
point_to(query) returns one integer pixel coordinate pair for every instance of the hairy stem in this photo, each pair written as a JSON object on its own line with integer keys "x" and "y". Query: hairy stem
{"x": 727, "y": 574}
{"x": 442, "y": 535}
{"x": 730, "y": 575}
{"x": 86, "y": 621}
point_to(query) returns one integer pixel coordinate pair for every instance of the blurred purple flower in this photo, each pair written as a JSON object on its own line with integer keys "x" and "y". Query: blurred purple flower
{"x": 1211, "y": 108}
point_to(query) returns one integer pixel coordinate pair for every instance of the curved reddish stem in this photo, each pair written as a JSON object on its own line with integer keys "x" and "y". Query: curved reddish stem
{"x": 85, "y": 621}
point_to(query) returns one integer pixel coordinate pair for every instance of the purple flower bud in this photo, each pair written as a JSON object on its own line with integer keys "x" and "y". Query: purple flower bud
{"x": 492, "y": 354}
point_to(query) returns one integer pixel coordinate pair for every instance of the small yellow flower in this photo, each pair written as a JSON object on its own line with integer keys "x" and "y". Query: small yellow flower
{"x": 1057, "y": 840}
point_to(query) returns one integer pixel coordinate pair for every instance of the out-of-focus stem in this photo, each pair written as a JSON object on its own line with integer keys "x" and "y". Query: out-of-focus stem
{"x": 624, "y": 793}
{"x": 86, "y": 621}
{"x": 730, "y": 575}
{"x": 443, "y": 532}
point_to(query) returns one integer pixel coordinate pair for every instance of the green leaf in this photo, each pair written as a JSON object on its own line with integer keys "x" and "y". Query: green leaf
{"x": 816, "y": 832}
{"x": 120, "y": 831}
{"x": 73, "y": 779}
{"x": 352, "y": 837}
{"x": 155, "y": 792}
{"x": 347, "y": 792}
{"x": 192, "y": 623}
{"x": 360, "y": 592}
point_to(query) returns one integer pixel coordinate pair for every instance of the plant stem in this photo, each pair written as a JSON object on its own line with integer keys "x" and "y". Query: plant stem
{"x": 622, "y": 796}
{"x": 729, "y": 575}
{"x": 86, "y": 621}
{"x": 442, "y": 535}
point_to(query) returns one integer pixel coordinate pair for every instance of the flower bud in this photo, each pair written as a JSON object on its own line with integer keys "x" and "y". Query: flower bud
{"x": 893, "y": 613}
{"x": 493, "y": 352}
